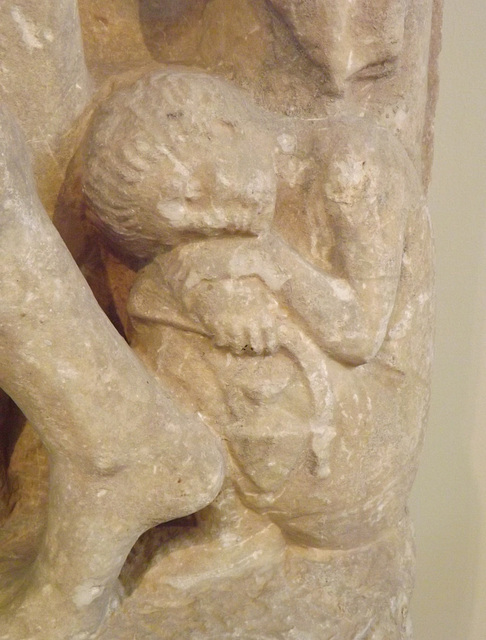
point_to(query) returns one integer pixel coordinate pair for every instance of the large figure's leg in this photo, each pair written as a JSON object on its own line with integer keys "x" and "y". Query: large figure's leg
{"x": 45, "y": 82}
{"x": 122, "y": 457}
{"x": 44, "y": 77}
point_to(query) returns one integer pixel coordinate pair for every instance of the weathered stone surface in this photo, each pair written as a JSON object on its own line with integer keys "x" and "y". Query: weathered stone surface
{"x": 122, "y": 456}
{"x": 246, "y": 198}
{"x": 4, "y": 489}
{"x": 44, "y": 80}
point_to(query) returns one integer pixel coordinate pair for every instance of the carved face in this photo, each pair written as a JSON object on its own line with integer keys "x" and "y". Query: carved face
{"x": 347, "y": 38}
{"x": 177, "y": 154}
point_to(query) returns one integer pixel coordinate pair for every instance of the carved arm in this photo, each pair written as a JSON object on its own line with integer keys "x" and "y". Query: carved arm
{"x": 364, "y": 188}
{"x": 346, "y": 309}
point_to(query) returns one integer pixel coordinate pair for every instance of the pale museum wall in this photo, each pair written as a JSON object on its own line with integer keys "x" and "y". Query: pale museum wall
{"x": 449, "y": 499}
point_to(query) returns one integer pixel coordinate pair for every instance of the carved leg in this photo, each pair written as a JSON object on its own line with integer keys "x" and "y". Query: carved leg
{"x": 44, "y": 80}
{"x": 44, "y": 72}
{"x": 122, "y": 457}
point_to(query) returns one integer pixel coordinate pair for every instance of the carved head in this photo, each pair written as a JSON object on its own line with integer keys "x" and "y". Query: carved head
{"x": 168, "y": 157}
{"x": 347, "y": 38}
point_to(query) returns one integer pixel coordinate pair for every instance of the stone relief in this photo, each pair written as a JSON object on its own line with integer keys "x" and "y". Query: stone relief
{"x": 230, "y": 449}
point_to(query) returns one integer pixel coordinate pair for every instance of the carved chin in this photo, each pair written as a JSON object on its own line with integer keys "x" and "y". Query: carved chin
{"x": 346, "y": 38}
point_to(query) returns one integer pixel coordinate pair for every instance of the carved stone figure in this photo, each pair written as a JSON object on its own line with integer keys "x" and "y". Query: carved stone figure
{"x": 245, "y": 195}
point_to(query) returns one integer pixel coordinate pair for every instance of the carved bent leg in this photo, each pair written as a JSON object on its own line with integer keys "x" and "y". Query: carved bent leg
{"x": 122, "y": 457}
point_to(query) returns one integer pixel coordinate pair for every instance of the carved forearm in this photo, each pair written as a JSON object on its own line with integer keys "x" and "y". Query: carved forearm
{"x": 222, "y": 258}
{"x": 347, "y": 319}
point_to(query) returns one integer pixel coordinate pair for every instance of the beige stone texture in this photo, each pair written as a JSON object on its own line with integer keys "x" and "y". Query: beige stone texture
{"x": 4, "y": 488}
{"x": 44, "y": 80}
{"x": 245, "y": 196}
{"x": 122, "y": 456}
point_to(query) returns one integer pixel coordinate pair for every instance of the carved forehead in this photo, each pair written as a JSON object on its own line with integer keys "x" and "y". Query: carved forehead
{"x": 184, "y": 115}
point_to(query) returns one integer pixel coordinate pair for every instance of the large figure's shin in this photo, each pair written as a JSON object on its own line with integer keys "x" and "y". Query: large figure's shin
{"x": 122, "y": 457}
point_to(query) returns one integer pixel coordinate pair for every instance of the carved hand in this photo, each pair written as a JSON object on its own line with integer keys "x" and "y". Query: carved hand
{"x": 240, "y": 314}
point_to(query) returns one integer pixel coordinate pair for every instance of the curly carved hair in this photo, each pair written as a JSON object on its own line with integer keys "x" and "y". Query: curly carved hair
{"x": 178, "y": 154}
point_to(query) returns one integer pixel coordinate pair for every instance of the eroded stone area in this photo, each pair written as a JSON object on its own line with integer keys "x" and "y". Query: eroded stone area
{"x": 230, "y": 449}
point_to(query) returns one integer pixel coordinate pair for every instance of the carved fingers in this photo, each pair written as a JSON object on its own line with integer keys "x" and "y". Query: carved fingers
{"x": 242, "y": 315}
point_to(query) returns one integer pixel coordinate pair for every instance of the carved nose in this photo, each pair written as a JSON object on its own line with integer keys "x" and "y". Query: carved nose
{"x": 338, "y": 39}
{"x": 335, "y": 52}
{"x": 338, "y": 63}
{"x": 337, "y": 80}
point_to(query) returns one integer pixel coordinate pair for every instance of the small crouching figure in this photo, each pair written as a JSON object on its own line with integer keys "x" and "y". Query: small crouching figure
{"x": 277, "y": 301}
